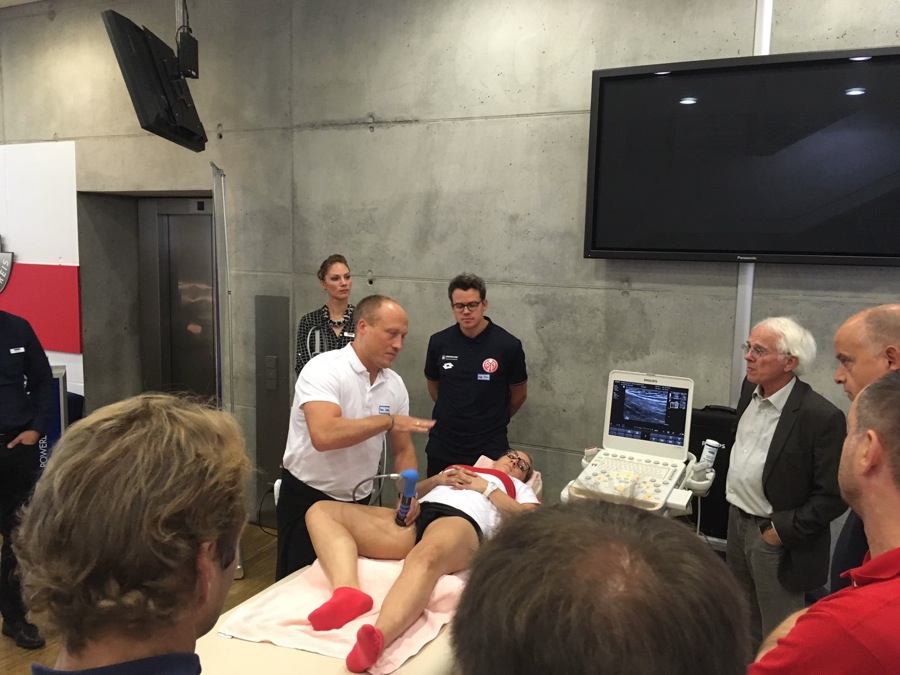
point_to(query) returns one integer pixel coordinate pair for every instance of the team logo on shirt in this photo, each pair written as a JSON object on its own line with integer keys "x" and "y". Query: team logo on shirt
{"x": 490, "y": 365}
{"x": 6, "y": 263}
{"x": 384, "y": 410}
{"x": 449, "y": 357}
{"x": 447, "y": 366}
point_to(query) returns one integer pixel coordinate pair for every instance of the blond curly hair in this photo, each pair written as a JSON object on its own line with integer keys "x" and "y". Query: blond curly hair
{"x": 108, "y": 542}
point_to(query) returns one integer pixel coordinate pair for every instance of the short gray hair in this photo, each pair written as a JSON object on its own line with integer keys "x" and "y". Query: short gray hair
{"x": 793, "y": 339}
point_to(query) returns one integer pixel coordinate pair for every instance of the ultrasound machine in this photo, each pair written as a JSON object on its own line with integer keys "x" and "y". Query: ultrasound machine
{"x": 644, "y": 459}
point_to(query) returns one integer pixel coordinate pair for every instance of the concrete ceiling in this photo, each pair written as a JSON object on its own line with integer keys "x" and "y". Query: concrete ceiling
{"x": 10, "y": 3}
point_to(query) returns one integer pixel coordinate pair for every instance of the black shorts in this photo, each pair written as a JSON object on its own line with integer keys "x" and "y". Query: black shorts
{"x": 432, "y": 511}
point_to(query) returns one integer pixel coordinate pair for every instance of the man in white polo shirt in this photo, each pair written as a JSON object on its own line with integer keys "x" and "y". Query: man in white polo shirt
{"x": 345, "y": 402}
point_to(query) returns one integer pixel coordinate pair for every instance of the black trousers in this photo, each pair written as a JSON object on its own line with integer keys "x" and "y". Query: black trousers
{"x": 295, "y": 549}
{"x": 19, "y": 471}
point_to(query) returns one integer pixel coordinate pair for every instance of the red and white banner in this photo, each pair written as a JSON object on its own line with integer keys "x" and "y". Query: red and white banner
{"x": 39, "y": 226}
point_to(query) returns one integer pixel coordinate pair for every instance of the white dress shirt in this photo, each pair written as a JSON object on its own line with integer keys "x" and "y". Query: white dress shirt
{"x": 743, "y": 485}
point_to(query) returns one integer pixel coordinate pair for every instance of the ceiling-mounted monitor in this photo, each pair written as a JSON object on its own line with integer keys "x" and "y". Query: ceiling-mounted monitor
{"x": 784, "y": 158}
{"x": 155, "y": 82}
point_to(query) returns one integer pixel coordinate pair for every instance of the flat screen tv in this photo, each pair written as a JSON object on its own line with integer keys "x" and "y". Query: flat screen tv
{"x": 155, "y": 83}
{"x": 787, "y": 158}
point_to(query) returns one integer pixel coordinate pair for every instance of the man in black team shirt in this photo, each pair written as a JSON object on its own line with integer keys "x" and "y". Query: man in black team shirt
{"x": 476, "y": 376}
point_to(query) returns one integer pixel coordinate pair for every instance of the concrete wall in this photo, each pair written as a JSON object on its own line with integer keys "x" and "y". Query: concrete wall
{"x": 108, "y": 238}
{"x": 421, "y": 139}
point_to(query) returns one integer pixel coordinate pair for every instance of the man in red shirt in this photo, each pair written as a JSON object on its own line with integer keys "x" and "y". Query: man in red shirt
{"x": 854, "y": 630}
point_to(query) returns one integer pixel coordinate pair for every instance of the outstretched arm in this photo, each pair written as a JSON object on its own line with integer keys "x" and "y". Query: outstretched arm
{"x": 329, "y": 430}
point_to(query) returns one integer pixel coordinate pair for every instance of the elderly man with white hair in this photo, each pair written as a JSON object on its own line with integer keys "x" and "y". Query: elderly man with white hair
{"x": 782, "y": 481}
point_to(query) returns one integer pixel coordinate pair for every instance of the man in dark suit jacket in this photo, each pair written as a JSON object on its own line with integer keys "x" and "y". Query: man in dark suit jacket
{"x": 866, "y": 346}
{"x": 782, "y": 480}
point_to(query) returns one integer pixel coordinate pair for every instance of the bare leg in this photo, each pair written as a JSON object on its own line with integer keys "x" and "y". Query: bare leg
{"x": 340, "y": 532}
{"x": 446, "y": 547}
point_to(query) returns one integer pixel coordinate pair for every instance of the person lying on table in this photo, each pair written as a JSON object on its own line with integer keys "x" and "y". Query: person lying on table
{"x": 459, "y": 508}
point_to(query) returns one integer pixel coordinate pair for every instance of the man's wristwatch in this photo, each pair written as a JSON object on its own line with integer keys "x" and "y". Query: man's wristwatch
{"x": 489, "y": 489}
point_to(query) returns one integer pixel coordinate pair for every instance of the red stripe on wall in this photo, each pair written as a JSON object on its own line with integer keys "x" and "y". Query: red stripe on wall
{"x": 48, "y": 297}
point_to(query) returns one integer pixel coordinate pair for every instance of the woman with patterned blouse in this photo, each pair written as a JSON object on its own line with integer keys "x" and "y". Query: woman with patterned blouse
{"x": 330, "y": 326}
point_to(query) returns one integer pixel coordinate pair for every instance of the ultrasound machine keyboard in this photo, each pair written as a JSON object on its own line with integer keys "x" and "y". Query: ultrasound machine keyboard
{"x": 642, "y": 480}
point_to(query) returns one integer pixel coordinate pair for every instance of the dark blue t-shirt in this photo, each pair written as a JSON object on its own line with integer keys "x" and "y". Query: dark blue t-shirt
{"x": 26, "y": 381}
{"x": 180, "y": 663}
{"x": 473, "y": 376}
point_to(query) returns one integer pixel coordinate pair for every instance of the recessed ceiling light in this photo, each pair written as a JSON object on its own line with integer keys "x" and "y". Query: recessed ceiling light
{"x": 855, "y": 91}
{"x": 688, "y": 100}
{"x": 663, "y": 72}
{"x": 860, "y": 58}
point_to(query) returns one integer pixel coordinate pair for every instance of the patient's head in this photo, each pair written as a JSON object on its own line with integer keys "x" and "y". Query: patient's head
{"x": 134, "y": 525}
{"x": 593, "y": 587}
{"x": 515, "y": 463}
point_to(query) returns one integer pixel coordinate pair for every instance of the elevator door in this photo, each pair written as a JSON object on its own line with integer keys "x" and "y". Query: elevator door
{"x": 190, "y": 290}
{"x": 177, "y": 295}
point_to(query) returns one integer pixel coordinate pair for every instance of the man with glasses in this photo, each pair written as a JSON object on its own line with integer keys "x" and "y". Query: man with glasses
{"x": 460, "y": 507}
{"x": 782, "y": 480}
{"x": 476, "y": 377}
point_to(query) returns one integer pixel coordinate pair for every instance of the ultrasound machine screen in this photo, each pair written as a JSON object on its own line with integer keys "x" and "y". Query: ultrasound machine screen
{"x": 648, "y": 412}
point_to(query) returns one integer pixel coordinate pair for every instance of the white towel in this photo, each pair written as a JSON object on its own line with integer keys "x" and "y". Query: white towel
{"x": 278, "y": 614}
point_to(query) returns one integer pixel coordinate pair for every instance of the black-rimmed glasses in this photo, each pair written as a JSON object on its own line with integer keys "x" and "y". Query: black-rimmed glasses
{"x": 521, "y": 464}
{"x": 462, "y": 306}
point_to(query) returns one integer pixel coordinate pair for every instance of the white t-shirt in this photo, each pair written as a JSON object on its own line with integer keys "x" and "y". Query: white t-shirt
{"x": 340, "y": 377}
{"x": 476, "y": 505}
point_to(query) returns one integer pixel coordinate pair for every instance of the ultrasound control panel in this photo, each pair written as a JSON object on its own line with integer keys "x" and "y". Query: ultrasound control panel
{"x": 645, "y": 481}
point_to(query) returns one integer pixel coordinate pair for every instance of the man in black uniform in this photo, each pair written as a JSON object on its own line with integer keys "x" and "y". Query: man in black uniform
{"x": 26, "y": 404}
{"x": 476, "y": 376}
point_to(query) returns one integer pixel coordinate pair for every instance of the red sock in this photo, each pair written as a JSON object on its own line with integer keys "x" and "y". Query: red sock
{"x": 345, "y": 605}
{"x": 368, "y": 647}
